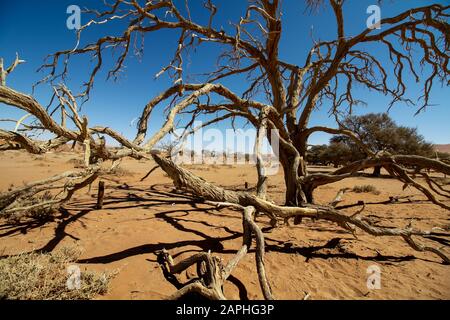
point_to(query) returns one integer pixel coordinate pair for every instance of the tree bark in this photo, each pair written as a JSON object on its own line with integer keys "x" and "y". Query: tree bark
{"x": 297, "y": 193}
{"x": 294, "y": 169}
{"x": 100, "y": 195}
{"x": 376, "y": 171}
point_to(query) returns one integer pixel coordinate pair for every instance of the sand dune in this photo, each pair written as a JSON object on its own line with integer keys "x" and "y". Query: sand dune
{"x": 442, "y": 147}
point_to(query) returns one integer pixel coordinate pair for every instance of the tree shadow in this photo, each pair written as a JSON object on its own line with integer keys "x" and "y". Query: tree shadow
{"x": 310, "y": 252}
{"x": 243, "y": 293}
{"x": 152, "y": 197}
{"x": 207, "y": 243}
{"x": 60, "y": 231}
{"x": 20, "y": 227}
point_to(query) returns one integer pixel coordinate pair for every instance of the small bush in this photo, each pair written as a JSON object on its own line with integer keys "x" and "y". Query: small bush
{"x": 76, "y": 162}
{"x": 198, "y": 167}
{"x": 43, "y": 165}
{"x": 38, "y": 214}
{"x": 36, "y": 276}
{"x": 37, "y": 157}
{"x": 121, "y": 172}
{"x": 443, "y": 181}
{"x": 367, "y": 188}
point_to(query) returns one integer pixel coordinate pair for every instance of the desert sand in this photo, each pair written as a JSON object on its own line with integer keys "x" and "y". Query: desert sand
{"x": 314, "y": 258}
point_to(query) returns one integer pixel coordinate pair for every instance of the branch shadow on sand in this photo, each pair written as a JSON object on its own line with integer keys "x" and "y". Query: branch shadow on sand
{"x": 126, "y": 197}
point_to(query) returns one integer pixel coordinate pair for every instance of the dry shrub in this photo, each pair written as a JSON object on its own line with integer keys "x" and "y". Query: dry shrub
{"x": 37, "y": 214}
{"x": 121, "y": 172}
{"x": 76, "y": 162}
{"x": 219, "y": 166}
{"x": 43, "y": 164}
{"x": 443, "y": 180}
{"x": 367, "y": 188}
{"x": 198, "y": 167}
{"x": 38, "y": 276}
{"x": 209, "y": 166}
{"x": 37, "y": 157}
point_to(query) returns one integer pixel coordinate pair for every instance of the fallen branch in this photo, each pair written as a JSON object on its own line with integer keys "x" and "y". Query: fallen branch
{"x": 185, "y": 179}
{"x": 5, "y": 72}
{"x": 15, "y": 202}
{"x": 210, "y": 270}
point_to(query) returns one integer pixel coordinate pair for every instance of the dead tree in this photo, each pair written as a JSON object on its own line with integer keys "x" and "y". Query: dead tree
{"x": 5, "y": 72}
{"x": 417, "y": 37}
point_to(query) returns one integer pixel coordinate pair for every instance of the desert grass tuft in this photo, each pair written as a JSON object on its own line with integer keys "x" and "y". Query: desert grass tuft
{"x": 39, "y": 276}
{"x": 121, "y": 172}
{"x": 367, "y": 188}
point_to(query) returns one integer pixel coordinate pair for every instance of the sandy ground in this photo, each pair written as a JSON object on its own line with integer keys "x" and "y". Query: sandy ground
{"x": 140, "y": 218}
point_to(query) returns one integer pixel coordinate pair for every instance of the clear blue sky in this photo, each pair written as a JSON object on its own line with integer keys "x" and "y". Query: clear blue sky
{"x": 36, "y": 28}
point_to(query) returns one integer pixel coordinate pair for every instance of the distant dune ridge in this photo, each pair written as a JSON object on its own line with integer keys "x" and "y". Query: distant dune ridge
{"x": 442, "y": 147}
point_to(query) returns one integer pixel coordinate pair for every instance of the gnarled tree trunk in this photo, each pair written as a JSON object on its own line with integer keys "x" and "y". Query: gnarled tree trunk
{"x": 376, "y": 171}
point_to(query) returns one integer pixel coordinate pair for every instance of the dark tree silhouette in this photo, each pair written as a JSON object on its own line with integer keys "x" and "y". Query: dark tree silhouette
{"x": 381, "y": 134}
